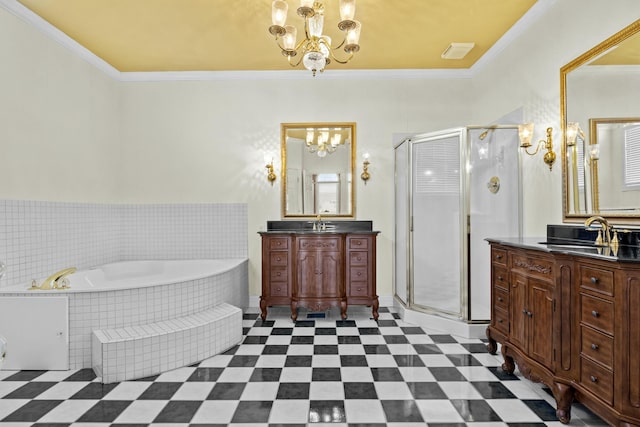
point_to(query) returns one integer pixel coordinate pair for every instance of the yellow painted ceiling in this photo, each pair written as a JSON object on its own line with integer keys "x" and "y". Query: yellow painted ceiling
{"x": 626, "y": 53}
{"x": 228, "y": 35}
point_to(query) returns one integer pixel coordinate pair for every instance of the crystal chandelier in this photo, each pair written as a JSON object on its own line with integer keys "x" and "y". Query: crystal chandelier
{"x": 323, "y": 142}
{"x": 316, "y": 50}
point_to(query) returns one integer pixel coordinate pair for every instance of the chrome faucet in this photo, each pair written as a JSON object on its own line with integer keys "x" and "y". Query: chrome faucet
{"x": 604, "y": 235}
{"x": 319, "y": 224}
{"x": 57, "y": 280}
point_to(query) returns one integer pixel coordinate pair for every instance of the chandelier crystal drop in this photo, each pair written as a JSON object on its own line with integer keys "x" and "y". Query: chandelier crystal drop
{"x": 315, "y": 51}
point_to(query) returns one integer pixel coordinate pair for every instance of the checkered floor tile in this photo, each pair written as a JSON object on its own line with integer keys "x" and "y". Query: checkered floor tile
{"x": 318, "y": 370}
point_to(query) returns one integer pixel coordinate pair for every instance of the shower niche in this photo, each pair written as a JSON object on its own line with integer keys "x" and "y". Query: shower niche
{"x": 453, "y": 189}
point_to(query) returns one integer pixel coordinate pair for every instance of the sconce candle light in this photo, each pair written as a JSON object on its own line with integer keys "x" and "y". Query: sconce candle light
{"x": 525, "y": 133}
{"x": 365, "y": 168}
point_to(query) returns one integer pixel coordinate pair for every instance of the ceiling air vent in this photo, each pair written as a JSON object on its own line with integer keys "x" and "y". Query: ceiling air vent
{"x": 457, "y": 50}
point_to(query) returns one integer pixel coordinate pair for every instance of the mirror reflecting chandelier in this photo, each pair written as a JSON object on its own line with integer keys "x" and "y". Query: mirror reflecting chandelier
{"x": 315, "y": 50}
{"x": 323, "y": 141}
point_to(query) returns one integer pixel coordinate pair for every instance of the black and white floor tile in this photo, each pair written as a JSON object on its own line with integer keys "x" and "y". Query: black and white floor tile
{"x": 319, "y": 370}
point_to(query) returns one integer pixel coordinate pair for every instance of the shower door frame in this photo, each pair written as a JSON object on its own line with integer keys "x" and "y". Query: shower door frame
{"x": 464, "y": 313}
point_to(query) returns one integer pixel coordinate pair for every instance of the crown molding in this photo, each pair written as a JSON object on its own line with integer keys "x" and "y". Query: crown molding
{"x": 294, "y": 75}
{"x": 26, "y": 15}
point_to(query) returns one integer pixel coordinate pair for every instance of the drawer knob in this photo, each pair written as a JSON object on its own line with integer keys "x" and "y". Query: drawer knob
{"x": 499, "y": 320}
{"x": 278, "y": 274}
{"x": 498, "y": 256}
{"x": 359, "y": 273}
{"x": 358, "y": 242}
{"x": 594, "y": 313}
{"x": 500, "y": 278}
{"x": 594, "y": 280}
{"x": 278, "y": 259}
{"x": 500, "y": 299}
{"x": 593, "y": 379}
{"x": 359, "y": 289}
{"x": 594, "y": 347}
{"x": 278, "y": 289}
{"x": 359, "y": 259}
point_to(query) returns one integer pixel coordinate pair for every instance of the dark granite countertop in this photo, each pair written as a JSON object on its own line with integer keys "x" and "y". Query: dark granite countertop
{"x": 626, "y": 253}
{"x": 306, "y": 227}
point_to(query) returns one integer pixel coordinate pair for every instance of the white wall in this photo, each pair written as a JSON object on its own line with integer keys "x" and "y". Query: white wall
{"x": 204, "y": 141}
{"x": 527, "y": 74}
{"x": 59, "y": 121}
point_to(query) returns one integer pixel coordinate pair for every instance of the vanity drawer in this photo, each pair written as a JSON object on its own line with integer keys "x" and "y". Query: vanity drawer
{"x": 501, "y": 298}
{"x": 500, "y": 277}
{"x": 597, "y": 379}
{"x": 279, "y": 258}
{"x": 358, "y": 258}
{"x": 499, "y": 256}
{"x": 596, "y": 279}
{"x": 597, "y": 346}
{"x": 358, "y": 274}
{"x": 276, "y": 243}
{"x": 533, "y": 266}
{"x": 279, "y": 289}
{"x": 319, "y": 243}
{"x": 358, "y": 243}
{"x": 501, "y": 320}
{"x": 358, "y": 289}
{"x": 597, "y": 313}
{"x": 279, "y": 274}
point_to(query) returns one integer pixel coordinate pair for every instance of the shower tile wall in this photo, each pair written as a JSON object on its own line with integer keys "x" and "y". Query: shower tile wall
{"x": 38, "y": 238}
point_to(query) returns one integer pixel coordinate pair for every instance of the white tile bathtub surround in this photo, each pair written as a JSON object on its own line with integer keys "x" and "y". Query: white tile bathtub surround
{"x": 38, "y": 238}
{"x": 139, "y": 351}
{"x": 89, "y": 311}
{"x": 184, "y": 231}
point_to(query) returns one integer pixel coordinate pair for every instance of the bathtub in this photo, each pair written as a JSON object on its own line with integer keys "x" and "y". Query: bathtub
{"x": 132, "y": 293}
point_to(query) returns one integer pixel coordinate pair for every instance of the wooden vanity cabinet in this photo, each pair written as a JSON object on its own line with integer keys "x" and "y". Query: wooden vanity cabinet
{"x": 573, "y": 323}
{"x": 318, "y": 271}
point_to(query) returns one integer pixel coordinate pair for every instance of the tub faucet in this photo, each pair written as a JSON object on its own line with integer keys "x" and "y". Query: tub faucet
{"x": 55, "y": 281}
{"x": 606, "y": 229}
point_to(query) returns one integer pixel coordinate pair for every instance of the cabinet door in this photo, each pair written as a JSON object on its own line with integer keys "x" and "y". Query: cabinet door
{"x": 319, "y": 274}
{"x": 540, "y": 313}
{"x": 518, "y": 311}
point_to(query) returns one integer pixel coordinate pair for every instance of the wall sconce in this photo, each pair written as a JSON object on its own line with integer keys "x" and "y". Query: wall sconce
{"x": 525, "y": 132}
{"x": 573, "y": 132}
{"x": 365, "y": 168}
{"x": 594, "y": 151}
{"x": 271, "y": 175}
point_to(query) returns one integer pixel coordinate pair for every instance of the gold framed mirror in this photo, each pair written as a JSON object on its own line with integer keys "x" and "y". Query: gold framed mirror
{"x": 598, "y": 86}
{"x": 318, "y": 164}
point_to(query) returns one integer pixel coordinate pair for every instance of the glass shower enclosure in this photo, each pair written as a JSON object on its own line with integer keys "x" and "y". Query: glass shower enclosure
{"x": 453, "y": 189}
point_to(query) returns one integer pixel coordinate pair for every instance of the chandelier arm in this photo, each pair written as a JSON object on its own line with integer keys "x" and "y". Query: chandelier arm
{"x": 345, "y": 61}
{"x": 295, "y": 64}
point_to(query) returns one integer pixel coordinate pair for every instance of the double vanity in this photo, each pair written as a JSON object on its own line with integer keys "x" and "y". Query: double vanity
{"x": 318, "y": 265}
{"x": 567, "y": 311}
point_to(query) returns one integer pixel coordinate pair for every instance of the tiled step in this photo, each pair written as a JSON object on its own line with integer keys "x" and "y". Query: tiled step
{"x": 133, "y": 352}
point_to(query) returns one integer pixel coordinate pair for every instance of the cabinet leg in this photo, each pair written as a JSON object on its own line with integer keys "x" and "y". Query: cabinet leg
{"x": 343, "y": 309}
{"x": 492, "y": 346}
{"x": 564, "y": 398}
{"x": 263, "y": 309}
{"x": 509, "y": 365}
{"x": 294, "y": 311}
{"x": 374, "y": 308}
